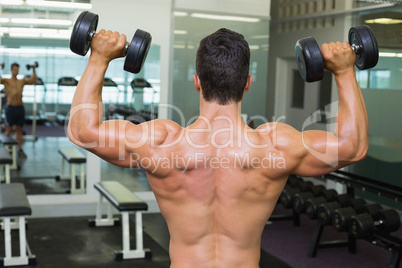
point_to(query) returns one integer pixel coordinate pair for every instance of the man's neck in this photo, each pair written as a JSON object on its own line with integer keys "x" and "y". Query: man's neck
{"x": 212, "y": 110}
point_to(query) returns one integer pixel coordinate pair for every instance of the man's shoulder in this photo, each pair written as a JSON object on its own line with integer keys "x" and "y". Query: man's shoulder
{"x": 164, "y": 130}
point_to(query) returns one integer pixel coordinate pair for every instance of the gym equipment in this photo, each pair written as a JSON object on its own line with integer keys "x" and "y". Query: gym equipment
{"x": 14, "y": 204}
{"x": 309, "y": 59}
{"x": 299, "y": 199}
{"x": 85, "y": 29}
{"x": 1, "y": 66}
{"x": 29, "y": 66}
{"x": 341, "y": 218}
{"x": 386, "y": 221}
{"x": 125, "y": 202}
{"x": 74, "y": 158}
{"x": 286, "y": 197}
{"x": 312, "y": 204}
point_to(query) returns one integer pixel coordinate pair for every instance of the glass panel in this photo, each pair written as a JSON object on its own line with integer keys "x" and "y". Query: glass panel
{"x": 382, "y": 91}
{"x": 189, "y": 30}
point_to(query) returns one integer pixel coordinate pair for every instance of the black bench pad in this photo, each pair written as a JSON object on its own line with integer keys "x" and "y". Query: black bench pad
{"x": 72, "y": 155}
{"x": 7, "y": 140}
{"x": 120, "y": 197}
{"x": 13, "y": 200}
{"x": 5, "y": 157}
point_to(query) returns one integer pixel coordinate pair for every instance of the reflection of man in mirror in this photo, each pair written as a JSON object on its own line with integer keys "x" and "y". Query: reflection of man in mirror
{"x": 15, "y": 112}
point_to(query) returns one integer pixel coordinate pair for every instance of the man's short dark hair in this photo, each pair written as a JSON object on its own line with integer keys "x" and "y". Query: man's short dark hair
{"x": 222, "y": 64}
{"x": 15, "y": 64}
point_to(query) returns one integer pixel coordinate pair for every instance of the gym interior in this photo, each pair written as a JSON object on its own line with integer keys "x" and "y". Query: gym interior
{"x": 63, "y": 185}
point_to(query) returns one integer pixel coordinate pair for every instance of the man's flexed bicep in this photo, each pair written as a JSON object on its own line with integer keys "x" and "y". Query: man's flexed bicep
{"x": 316, "y": 152}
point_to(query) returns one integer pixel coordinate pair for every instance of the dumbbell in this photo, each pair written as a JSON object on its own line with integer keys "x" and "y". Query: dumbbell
{"x": 312, "y": 204}
{"x": 29, "y": 66}
{"x": 309, "y": 59}
{"x": 85, "y": 29}
{"x": 286, "y": 197}
{"x": 325, "y": 210}
{"x": 385, "y": 221}
{"x": 341, "y": 218}
{"x": 293, "y": 180}
{"x": 299, "y": 199}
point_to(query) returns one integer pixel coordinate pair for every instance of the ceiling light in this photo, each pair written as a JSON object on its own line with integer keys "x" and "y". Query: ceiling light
{"x": 72, "y": 5}
{"x": 229, "y": 18}
{"x": 36, "y": 32}
{"x": 42, "y": 21}
{"x": 4, "y": 20}
{"x": 390, "y": 55}
{"x": 11, "y": 2}
{"x": 180, "y": 32}
{"x": 384, "y": 21}
{"x": 180, "y": 14}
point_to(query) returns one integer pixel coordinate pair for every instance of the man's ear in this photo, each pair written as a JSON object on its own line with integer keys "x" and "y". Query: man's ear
{"x": 197, "y": 82}
{"x": 248, "y": 84}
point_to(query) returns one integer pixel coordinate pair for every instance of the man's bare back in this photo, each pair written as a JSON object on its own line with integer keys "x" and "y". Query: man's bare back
{"x": 217, "y": 181}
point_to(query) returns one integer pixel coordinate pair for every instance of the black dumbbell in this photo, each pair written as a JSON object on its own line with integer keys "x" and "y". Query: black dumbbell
{"x": 341, "y": 218}
{"x": 29, "y": 66}
{"x": 309, "y": 59}
{"x": 299, "y": 199}
{"x": 312, "y": 204}
{"x": 385, "y": 221}
{"x": 85, "y": 29}
{"x": 286, "y": 197}
{"x": 293, "y": 180}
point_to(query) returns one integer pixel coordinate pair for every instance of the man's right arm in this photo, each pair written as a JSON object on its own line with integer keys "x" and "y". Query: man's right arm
{"x": 312, "y": 153}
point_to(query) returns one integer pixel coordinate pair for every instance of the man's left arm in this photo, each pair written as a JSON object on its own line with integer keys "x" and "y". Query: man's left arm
{"x": 32, "y": 79}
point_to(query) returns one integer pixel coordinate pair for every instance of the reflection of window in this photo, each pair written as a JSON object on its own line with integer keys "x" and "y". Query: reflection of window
{"x": 362, "y": 78}
{"x": 379, "y": 79}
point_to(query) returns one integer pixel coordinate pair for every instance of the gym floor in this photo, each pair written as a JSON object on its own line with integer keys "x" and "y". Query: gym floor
{"x": 69, "y": 242}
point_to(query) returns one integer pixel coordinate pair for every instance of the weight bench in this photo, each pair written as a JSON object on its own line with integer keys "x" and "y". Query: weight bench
{"x": 14, "y": 202}
{"x": 11, "y": 145}
{"x": 5, "y": 163}
{"x": 125, "y": 202}
{"x": 75, "y": 158}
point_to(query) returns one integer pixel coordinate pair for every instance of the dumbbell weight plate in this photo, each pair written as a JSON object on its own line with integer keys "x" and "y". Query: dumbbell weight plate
{"x": 363, "y": 37}
{"x": 80, "y": 41}
{"x": 361, "y": 225}
{"x": 137, "y": 51}
{"x": 309, "y": 59}
{"x": 390, "y": 219}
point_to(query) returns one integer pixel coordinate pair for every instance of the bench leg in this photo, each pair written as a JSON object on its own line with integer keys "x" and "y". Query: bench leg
{"x": 74, "y": 188}
{"x": 9, "y": 260}
{"x": 139, "y": 252}
{"x": 7, "y": 171}
{"x": 99, "y": 220}
{"x": 13, "y": 150}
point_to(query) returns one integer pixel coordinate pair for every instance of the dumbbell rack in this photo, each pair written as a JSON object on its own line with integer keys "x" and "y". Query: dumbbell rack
{"x": 386, "y": 241}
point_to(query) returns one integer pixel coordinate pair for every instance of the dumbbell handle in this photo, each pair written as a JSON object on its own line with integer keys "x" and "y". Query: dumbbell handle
{"x": 356, "y": 49}
{"x": 91, "y": 35}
